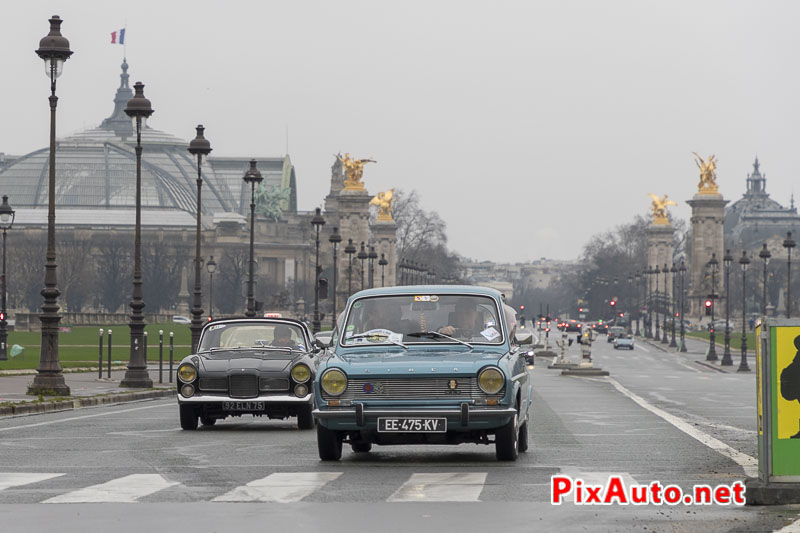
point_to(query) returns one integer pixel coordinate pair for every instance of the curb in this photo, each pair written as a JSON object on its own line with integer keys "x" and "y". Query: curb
{"x": 34, "y": 408}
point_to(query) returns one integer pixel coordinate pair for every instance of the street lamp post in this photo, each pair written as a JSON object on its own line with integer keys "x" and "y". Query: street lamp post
{"x": 211, "y": 266}
{"x": 335, "y": 238}
{"x": 712, "y": 345}
{"x": 54, "y": 50}
{"x": 372, "y": 256}
{"x": 6, "y": 221}
{"x": 657, "y": 336}
{"x": 674, "y": 271}
{"x": 252, "y": 177}
{"x": 350, "y": 249}
{"x": 744, "y": 261}
{"x": 317, "y": 221}
{"x": 383, "y": 262}
{"x": 665, "y": 306}
{"x": 788, "y": 243}
{"x": 199, "y": 146}
{"x": 136, "y": 375}
{"x": 764, "y": 255}
{"x": 727, "y": 360}
{"x": 638, "y": 278}
{"x": 682, "y": 271}
{"x": 648, "y": 332}
{"x": 362, "y": 255}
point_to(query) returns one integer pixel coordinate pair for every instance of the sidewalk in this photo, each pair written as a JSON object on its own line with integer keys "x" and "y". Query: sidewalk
{"x": 696, "y": 350}
{"x": 86, "y": 389}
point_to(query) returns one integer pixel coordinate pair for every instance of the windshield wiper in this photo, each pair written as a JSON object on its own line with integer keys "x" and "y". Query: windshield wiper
{"x": 242, "y": 348}
{"x": 366, "y": 335}
{"x": 438, "y": 335}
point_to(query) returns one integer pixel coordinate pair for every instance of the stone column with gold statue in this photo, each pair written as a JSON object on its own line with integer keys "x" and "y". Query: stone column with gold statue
{"x": 384, "y": 238}
{"x": 708, "y": 216}
{"x": 660, "y": 246}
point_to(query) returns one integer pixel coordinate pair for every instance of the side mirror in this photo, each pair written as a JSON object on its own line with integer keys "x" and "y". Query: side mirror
{"x": 524, "y": 338}
{"x": 323, "y": 340}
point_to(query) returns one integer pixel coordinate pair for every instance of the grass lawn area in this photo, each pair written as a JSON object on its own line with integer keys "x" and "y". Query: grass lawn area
{"x": 719, "y": 338}
{"x": 79, "y": 347}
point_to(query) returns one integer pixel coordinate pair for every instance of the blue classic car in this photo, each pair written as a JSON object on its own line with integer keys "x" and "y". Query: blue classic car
{"x": 423, "y": 365}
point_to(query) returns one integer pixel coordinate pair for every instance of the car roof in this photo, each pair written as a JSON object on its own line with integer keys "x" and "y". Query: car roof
{"x": 427, "y": 289}
{"x": 287, "y": 321}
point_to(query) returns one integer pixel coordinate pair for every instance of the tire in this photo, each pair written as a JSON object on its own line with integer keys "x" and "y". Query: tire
{"x": 207, "y": 421}
{"x": 188, "y": 417}
{"x": 523, "y": 438}
{"x": 304, "y": 418}
{"x": 361, "y": 447}
{"x": 506, "y": 441}
{"x": 329, "y": 444}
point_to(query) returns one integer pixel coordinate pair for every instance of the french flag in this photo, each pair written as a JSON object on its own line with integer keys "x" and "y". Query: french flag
{"x": 116, "y": 34}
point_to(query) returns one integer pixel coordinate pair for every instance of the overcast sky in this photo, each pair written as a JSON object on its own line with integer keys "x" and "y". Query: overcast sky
{"x": 529, "y": 126}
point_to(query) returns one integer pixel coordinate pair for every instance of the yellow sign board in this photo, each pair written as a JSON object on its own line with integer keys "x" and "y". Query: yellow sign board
{"x": 788, "y": 374}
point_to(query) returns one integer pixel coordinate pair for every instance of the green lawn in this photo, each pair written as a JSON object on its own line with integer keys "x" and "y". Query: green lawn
{"x": 719, "y": 338}
{"x": 79, "y": 347}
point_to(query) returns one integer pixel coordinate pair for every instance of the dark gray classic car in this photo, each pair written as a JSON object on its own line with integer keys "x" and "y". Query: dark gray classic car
{"x": 254, "y": 366}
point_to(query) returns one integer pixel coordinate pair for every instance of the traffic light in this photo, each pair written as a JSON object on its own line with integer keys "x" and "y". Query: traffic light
{"x": 612, "y": 303}
{"x": 621, "y": 315}
{"x": 209, "y": 318}
{"x": 2, "y": 316}
{"x": 708, "y": 304}
{"x": 580, "y": 309}
{"x": 521, "y": 307}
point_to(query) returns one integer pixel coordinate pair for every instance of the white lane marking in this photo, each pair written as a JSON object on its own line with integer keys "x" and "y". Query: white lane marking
{"x": 684, "y": 365}
{"x": 126, "y": 489}
{"x": 15, "y": 479}
{"x": 597, "y": 478}
{"x": 282, "y": 487}
{"x": 84, "y": 416}
{"x": 748, "y": 463}
{"x": 642, "y": 348}
{"x": 444, "y": 487}
{"x": 794, "y": 527}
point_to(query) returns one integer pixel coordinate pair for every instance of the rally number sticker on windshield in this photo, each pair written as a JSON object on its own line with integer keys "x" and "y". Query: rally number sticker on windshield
{"x": 426, "y": 298}
{"x": 490, "y": 334}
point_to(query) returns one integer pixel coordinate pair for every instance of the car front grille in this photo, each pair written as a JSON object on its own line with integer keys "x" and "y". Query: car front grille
{"x": 274, "y": 384}
{"x": 412, "y": 389}
{"x": 213, "y": 384}
{"x": 243, "y": 386}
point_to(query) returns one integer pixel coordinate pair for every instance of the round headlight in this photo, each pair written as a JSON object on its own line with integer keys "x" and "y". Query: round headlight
{"x": 301, "y": 373}
{"x": 187, "y": 390}
{"x": 333, "y": 382}
{"x": 187, "y": 373}
{"x": 300, "y": 390}
{"x": 491, "y": 380}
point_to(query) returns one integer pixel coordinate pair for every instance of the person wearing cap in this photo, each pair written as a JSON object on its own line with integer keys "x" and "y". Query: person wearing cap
{"x": 283, "y": 337}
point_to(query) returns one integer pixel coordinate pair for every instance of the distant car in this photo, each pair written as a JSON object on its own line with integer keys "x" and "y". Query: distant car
{"x": 181, "y": 319}
{"x": 614, "y": 332}
{"x": 623, "y": 341}
{"x": 572, "y": 325}
{"x": 719, "y": 325}
{"x": 253, "y": 366}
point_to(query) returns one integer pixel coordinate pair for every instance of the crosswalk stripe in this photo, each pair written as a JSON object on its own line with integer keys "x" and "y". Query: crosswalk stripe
{"x": 280, "y": 487}
{"x": 442, "y": 487}
{"x": 15, "y": 479}
{"x": 126, "y": 489}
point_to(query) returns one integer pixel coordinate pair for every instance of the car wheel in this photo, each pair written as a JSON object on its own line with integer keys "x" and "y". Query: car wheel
{"x": 188, "y": 417}
{"x": 523, "y": 438}
{"x": 207, "y": 421}
{"x": 304, "y": 418}
{"x": 361, "y": 447}
{"x": 506, "y": 441}
{"x": 329, "y": 444}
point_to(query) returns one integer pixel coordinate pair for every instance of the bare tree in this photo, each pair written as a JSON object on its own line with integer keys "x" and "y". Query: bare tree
{"x": 114, "y": 271}
{"x": 232, "y": 272}
{"x": 75, "y": 273}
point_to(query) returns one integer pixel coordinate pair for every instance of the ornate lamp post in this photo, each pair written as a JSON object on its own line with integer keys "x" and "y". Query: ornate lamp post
{"x": 383, "y": 262}
{"x": 648, "y": 320}
{"x": 665, "y": 305}
{"x": 712, "y": 345}
{"x": 317, "y": 221}
{"x": 335, "y": 238}
{"x": 674, "y": 271}
{"x": 657, "y": 336}
{"x": 199, "y": 146}
{"x": 727, "y": 360}
{"x": 362, "y": 255}
{"x": 54, "y": 50}
{"x": 638, "y": 277}
{"x": 6, "y": 221}
{"x": 211, "y": 266}
{"x": 372, "y": 256}
{"x": 744, "y": 262}
{"x": 764, "y": 255}
{"x": 350, "y": 249}
{"x": 682, "y": 271}
{"x": 136, "y": 375}
{"x": 252, "y": 177}
{"x": 788, "y": 243}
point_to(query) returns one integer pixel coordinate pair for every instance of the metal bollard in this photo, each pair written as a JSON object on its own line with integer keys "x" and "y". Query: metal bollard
{"x": 171, "y": 348}
{"x": 145, "y": 349}
{"x": 100, "y": 359}
{"x": 161, "y": 356}
{"x": 109, "y": 353}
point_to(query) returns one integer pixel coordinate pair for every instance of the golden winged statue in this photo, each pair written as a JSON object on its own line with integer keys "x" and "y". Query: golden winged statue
{"x": 659, "y": 208}
{"x": 708, "y": 174}
{"x": 353, "y": 170}
{"x": 384, "y": 202}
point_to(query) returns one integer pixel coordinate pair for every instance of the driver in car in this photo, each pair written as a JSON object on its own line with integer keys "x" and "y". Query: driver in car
{"x": 464, "y": 319}
{"x": 283, "y": 337}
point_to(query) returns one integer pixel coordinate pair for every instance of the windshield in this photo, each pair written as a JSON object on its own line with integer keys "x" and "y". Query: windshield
{"x": 423, "y": 318}
{"x": 252, "y": 335}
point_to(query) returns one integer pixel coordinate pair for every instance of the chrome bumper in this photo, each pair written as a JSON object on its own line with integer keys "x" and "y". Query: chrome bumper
{"x": 359, "y": 414}
{"x": 283, "y": 398}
